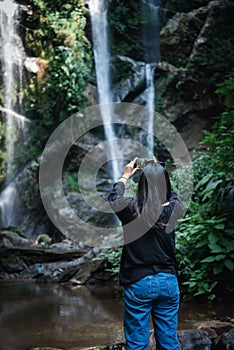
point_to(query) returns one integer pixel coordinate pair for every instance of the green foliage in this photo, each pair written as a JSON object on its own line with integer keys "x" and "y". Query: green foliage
{"x": 111, "y": 259}
{"x": 125, "y": 20}
{"x": 121, "y": 71}
{"x": 72, "y": 182}
{"x": 64, "y": 56}
{"x": 205, "y": 235}
{"x": 226, "y": 88}
{"x": 116, "y": 18}
{"x": 67, "y": 78}
{"x": 205, "y": 251}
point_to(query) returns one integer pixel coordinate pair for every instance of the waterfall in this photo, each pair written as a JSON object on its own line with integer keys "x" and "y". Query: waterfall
{"x": 12, "y": 54}
{"x": 12, "y": 63}
{"x": 150, "y": 34}
{"x": 98, "y": 13}
{"x": 150, "y": 103}
{"x": 8, "y": 203}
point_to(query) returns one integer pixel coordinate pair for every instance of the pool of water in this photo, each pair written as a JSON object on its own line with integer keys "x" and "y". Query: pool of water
{"x": 58, "y": 316}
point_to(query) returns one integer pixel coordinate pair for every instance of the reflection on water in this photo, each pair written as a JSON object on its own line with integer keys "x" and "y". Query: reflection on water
{"x": 52, "y": 315}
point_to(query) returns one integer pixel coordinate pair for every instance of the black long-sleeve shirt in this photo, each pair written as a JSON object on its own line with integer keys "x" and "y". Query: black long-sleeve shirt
{"x": 146, "y": 250}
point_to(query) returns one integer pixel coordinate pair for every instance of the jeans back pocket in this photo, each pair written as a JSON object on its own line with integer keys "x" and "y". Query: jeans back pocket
{"x": 140, "y": 289}
{"x": 171, "y": 285}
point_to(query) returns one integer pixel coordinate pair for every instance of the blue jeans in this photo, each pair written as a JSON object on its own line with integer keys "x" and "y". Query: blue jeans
{"x": 157, "y": 295}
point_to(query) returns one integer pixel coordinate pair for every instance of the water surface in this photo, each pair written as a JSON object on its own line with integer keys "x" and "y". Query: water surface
{"x": 57, "y": 316}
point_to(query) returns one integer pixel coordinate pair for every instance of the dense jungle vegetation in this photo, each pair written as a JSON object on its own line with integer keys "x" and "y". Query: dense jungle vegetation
{"x": 55, "y": 34}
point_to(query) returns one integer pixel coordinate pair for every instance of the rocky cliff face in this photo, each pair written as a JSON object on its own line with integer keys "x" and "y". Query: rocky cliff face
{"x": 195, "y": 55}
{"x": 197, "y": 45}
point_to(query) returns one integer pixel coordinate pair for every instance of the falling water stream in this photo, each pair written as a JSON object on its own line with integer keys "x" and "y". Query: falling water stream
{"x": 150, "y": 33}
{"x": 12, "y": 63}
{"x": 150, "y": 103}
{"x": 12, "y": 56}
{"x": 98, "y": 12}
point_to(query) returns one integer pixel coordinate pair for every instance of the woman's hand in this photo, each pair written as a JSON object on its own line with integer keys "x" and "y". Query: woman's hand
{"x": 129, "y": 170}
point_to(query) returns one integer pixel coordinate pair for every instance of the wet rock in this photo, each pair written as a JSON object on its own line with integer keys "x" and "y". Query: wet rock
{"x": 42, "y": 261}
{"x": 210, "y": 332}
{"x": 135, "y": 82}
{"x": 152, "y": 342}
{"x": 117, "y": 347}
{"x": 34, "y": 261}
{"x": 120, "y": 346}
{"x": 84, "y": 273}
{"x": 21, "y": 204}
{"x": 194, "y": 339}
{"x": 11, "y": 265}
{"x": 219, "y": 327}
{"x": 225, "y": 341}
{"x": 54, "y": 266}
{"x": 68, "y": 244}
{"x": 42, "y": 348}
{"x": 13, "y": 238}
{"x": 67, "y": 271}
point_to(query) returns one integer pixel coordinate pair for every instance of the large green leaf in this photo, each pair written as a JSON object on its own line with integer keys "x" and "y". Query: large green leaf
{"x": 213, "y": 238}
{"x": 229, "y": 264}
{"x": 215, "y": 248}
{"x": 209, "y": 259}
{"x": 203, "y": 181}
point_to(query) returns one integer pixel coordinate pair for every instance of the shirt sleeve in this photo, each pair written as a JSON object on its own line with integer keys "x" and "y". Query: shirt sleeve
{"x": 117, "y": 191}
{"x": 117, "y": 201}
{"x": 174, "y": 195}
{"x": 177, "y": 211}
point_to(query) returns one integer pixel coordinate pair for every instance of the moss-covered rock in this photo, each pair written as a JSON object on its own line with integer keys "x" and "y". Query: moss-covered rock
{"x": 178, "y": 35}
{"x": 201, "y": 40}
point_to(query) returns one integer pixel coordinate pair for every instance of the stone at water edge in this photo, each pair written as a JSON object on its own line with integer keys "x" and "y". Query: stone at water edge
{"x": 225, "y": 341}
{"x": 218, "y": 326}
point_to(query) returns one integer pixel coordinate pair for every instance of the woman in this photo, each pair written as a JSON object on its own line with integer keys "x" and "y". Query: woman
{"x": 148, "y": 268}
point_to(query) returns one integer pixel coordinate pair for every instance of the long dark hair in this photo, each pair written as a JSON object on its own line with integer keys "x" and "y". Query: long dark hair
{"x": 154, "y": 189}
